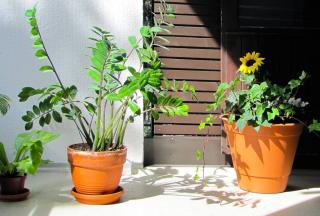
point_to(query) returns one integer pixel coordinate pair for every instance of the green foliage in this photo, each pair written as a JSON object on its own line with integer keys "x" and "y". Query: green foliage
{"x": 114, "y": 103}
{"x": 315, "y": 126}
{"x": 28, "y": 153}
{"x": 261, "y": 103}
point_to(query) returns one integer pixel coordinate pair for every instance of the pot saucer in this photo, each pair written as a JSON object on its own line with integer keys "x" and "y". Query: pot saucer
{"x": 100, "y": 199}
{"x": 15, "y": 197}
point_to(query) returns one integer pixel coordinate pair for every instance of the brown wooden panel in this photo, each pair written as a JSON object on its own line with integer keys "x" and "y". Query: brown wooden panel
{"x": 185, "y": 130}
{"x": 190, "y": 42}
{"x": 199, "y": 86}
{"x": 180, "y": 150}
{"x": 192, "y": 74}
{"x": 194, "y": 20}
{"x": 190, "y": 53}
{"x": 201, "y": 96}
{"x": 190, "y": 119}
{"x": 191, "y": 9}
{"x": 193, "y": 31}
{"x": 191, "y": 64}
{"x": 200, "y": 108}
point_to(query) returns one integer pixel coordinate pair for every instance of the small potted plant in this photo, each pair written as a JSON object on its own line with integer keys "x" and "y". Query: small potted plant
{"x": 27, "y": 159}
{"x": 262, "y": 126}
{"x": 97, "y": 162}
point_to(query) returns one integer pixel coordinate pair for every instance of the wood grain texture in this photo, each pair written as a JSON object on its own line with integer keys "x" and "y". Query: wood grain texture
{"x": 190, "y": 53}
{"x": 191, "y": 64}
{"x": 192, "y": 42}
{"x": 185, "y": 130}
{"x": 192, "y": 74}
{"x": 199, "y": 86}
{"x": 201, "y": 96}
{"x": 190, "y": 119}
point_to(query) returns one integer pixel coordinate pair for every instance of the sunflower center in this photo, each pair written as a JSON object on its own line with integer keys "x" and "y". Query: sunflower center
{"x": 250, "y": 62}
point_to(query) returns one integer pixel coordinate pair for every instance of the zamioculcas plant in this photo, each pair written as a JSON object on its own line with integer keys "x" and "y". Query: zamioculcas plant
{"x": 114, "y": 103}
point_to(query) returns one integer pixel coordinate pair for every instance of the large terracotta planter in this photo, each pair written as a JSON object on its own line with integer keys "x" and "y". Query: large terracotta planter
{"x": 263, "y": 160}
{"x": 96, "y": 173}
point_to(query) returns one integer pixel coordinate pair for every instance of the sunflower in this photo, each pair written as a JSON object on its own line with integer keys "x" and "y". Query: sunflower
{"x": 250, "y": 63}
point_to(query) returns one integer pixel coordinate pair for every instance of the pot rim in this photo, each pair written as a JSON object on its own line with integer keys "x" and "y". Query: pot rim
{"x": 70, "y": 149}
{"x": 272, "y": 124}
{"x": 12, "y": 177}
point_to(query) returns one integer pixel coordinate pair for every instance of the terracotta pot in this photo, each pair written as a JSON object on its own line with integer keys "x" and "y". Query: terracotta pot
{"x": 263, "y": 160}
{"x": 96, "y": 172}
{"x": 12, "y": 185}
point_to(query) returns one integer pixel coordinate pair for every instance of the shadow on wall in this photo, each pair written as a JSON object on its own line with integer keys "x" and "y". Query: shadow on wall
{"x": 166, "y": 181}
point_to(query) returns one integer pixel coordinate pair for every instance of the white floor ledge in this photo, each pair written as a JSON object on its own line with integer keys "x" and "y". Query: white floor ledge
{"x": 170, "y": 190}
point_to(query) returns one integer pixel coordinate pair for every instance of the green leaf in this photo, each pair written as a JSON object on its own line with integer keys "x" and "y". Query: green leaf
{"x": 157, "y": 29}
{"x": 28, "y": 126}
{"x": 46, "y": 68}
{"x": 31, "y": 12}
{"x": 42, "y": 121}
{"x": 95, "y": 75}
{"x": 3, "y": 155}
{"x": 26, "y": 118}
{"x": 134, "y": 107}
{"x": 241, "y": 123}
{"x": 198, "y": 155}
{"x": 315, "y": 126}
{"x": 56, "y": 116}
{"x": 36, "y": 110}
{"x": 41, "y": 54}
{"x": 155, "y": 115}
{"x": 47, "y": 119}
{"x": 133, "y": 41}
{"x": 232, "y": 117}
{"x": 202, "y": 125}
{"x": 145, "y": 31}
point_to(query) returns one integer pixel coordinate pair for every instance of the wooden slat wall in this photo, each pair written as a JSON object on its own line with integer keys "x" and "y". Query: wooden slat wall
{"x": 193, "y": 55}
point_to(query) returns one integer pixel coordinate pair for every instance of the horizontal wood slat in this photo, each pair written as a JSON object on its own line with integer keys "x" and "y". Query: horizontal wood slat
{"x": 200, "y": 108}
{"x": 190, "y": 53}
{"x": 191, "y": 64}
{"x": 191, "y": 74}
{"x": 192, "y": 31}
{"x": 194, "y": 20}
{"x": 201, "y": 96}
{"x": 200, "y": 86}
{"x": 191, "y": 9}
{"x": 185, "y": 130}
{"x": 190, "y": 119}
{"x": 190, "y": 42}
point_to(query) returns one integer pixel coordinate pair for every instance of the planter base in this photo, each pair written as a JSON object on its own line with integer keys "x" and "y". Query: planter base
{"x": 15, "y": 197}
{"x": 262, "y": 185}
{"x": 100, "y": 199}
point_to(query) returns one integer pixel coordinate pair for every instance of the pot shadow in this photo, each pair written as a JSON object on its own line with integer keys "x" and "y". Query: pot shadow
{"x": 214, "y": 189}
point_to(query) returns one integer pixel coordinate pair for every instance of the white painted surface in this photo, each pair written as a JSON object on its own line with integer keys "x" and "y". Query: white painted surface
{"x": 65, "y": 27}
{"x": 160, "y": 191}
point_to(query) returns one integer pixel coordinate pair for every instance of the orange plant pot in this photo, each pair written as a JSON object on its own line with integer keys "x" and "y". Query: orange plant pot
{"x": 96, "y": 172}
{"x": 263, "y": 160}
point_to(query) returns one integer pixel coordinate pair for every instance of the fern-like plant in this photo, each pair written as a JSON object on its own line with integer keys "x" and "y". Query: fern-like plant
{"x": 115, "y": 102}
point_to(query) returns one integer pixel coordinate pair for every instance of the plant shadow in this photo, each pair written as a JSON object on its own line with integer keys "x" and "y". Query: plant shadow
{"x": 214, "y": 189}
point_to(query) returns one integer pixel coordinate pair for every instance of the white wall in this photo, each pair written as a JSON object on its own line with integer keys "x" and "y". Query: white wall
{"x": 65, "y": 27}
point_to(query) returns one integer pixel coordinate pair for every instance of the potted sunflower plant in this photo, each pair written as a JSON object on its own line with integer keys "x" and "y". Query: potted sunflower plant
{"x": 97, "y": 162}
{"x": 261, "y": 124}
{"x": 26, "y": 160}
